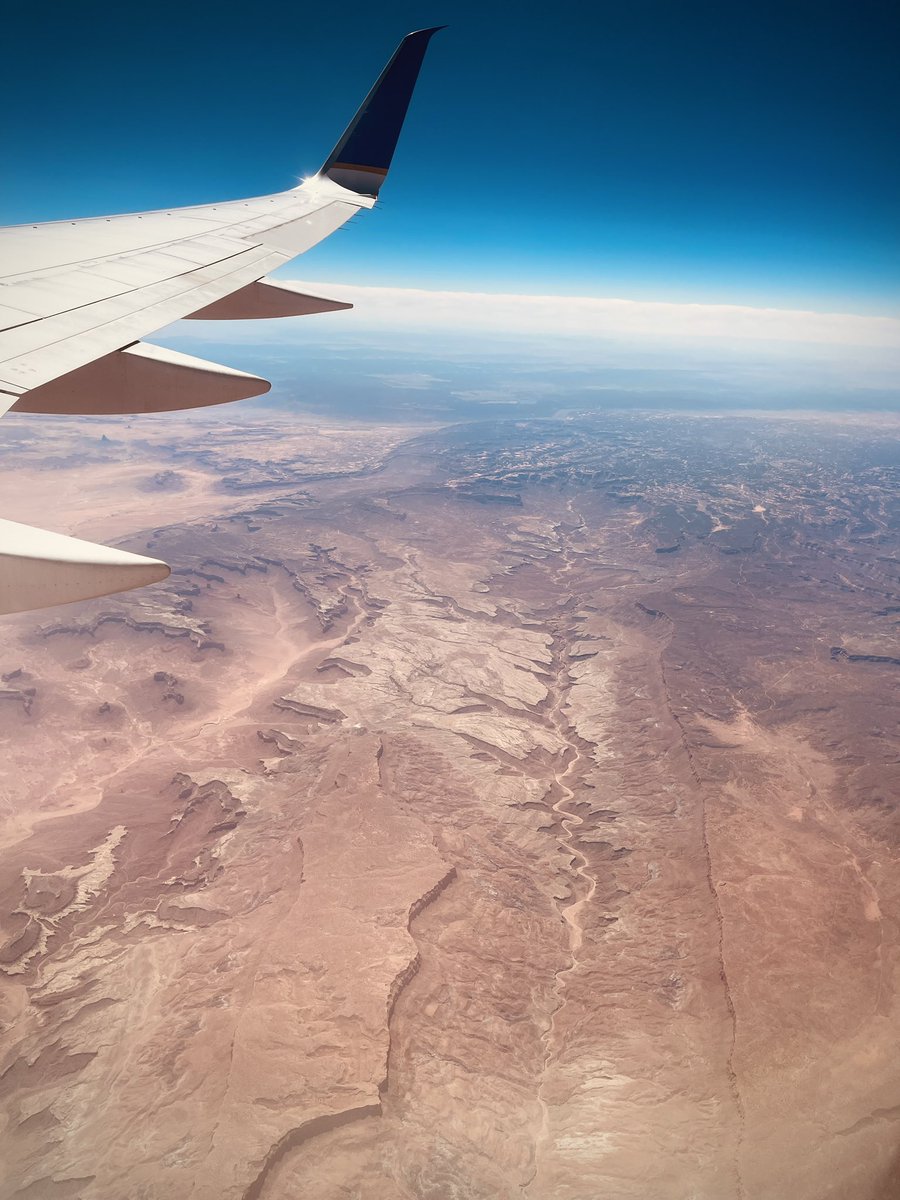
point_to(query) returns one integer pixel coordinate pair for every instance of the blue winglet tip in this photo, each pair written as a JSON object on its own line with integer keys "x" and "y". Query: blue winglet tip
{"x": 361, "y": 159}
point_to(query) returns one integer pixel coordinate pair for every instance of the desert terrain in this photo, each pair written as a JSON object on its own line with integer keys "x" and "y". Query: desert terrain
{"x": 502, "y": 809}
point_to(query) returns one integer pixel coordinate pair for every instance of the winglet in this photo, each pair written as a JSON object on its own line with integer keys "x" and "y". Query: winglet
{"x": 361, "y": 159}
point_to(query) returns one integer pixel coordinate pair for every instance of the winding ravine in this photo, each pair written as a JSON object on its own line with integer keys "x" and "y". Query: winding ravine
{"x": 570, "y": 911}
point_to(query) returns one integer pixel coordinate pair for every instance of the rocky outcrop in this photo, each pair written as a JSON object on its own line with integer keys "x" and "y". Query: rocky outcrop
{"x": 24, "y": 696}
{"x": 838, "y": 653}
{"x": 168, "y": 623}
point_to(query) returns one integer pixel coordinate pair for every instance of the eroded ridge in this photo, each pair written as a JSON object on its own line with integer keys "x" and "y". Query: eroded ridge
{"x": 711, "y": 873}
{"x": 296, "y": 1140}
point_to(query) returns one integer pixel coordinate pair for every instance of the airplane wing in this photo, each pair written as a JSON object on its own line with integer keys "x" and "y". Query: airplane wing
{"x": 76, "y": 297}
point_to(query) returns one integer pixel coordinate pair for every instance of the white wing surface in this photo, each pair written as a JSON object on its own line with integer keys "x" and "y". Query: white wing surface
{"x": 76, "y": 297}
{"x": 41, "y": 568}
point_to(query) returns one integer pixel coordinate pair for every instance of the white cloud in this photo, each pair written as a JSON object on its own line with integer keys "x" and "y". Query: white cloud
{"x": 583, "y": 316}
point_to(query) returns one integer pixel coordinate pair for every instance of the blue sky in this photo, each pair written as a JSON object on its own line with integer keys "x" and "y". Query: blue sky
{"x": 717, "y": 153}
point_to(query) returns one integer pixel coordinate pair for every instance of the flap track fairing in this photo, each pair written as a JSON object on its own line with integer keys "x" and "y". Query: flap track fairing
{"x": 141, "y": 379}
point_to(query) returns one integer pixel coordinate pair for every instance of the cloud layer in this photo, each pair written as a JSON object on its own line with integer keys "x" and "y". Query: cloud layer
{"x": 583, "y": 316}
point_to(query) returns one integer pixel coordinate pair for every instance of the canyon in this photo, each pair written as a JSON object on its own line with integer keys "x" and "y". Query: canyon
{"x": 490, "y": 810}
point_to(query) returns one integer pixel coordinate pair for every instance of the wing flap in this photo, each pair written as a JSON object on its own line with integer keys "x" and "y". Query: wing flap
{"x": 39, "y": 569}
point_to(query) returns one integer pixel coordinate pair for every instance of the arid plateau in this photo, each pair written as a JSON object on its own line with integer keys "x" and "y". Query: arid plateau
{"x": 495, "y": 810}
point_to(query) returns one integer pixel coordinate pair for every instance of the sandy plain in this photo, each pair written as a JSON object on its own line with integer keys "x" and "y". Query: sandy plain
{"x": 496, "y": 811}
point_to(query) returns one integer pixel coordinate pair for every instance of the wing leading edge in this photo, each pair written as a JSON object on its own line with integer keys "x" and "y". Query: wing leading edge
{"x": 76, "y": 297}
